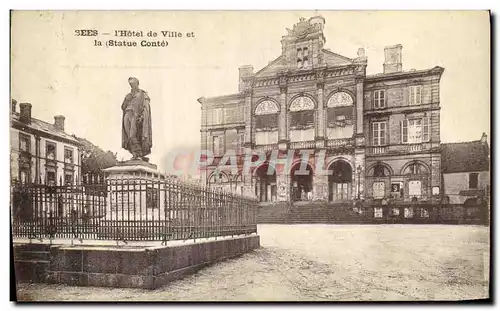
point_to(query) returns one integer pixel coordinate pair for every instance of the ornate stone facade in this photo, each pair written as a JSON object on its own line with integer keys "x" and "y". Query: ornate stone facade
{"x": 312, "y": 110}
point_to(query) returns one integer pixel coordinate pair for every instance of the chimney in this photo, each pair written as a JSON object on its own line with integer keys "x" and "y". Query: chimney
{"x": 245, "y": 72}
{"x": 393, "y": 58}
{"x": 13, "y": 106}
{"x": 484, "y": 138}
{"x": 59, "y": 122}
{"x": 25, "y": 113}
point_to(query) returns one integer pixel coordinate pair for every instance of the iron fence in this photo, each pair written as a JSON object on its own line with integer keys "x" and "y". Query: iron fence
{"x": 129, "y": 209}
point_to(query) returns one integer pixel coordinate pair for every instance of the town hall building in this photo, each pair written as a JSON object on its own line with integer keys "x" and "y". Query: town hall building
{"x": 378, "y": 135}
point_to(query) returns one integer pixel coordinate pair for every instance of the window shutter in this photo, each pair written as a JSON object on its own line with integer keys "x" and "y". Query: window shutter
{"x": 426, "y": 129}
{"x": 375, "y": 99}
{"x": 404, "y": 131}
{"x": 410, "y": 95}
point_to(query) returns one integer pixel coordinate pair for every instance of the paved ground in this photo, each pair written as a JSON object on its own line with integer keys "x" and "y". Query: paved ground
{"x": 327, "y": 262}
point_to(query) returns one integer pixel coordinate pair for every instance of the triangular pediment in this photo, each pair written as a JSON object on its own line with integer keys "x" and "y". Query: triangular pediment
{"x": 334, "y": 59}
{"x": 330, "y": 59}
{"x": 272, "y": 68}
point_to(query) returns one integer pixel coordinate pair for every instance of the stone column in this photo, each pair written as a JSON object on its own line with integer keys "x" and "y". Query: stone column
{"x": 248, "y": 116}
{"x": 283, "y": 185}
{"x": 283, "y": 124}
{"x": 320, "y": 123}
{"x": 247, "y": 176}
{"x": 283, "y": 130}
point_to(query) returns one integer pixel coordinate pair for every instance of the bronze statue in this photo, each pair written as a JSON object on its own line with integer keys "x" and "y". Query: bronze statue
{"x": 136, "y": 125}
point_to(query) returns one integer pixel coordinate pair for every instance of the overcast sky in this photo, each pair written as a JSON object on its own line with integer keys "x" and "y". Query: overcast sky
{"x": 60, "y": 73}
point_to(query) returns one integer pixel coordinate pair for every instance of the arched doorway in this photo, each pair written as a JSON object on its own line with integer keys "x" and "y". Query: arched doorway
{"x": 340, "y": 181}
{"x": 301, "y": 184}
{"x": 265, "y": 183}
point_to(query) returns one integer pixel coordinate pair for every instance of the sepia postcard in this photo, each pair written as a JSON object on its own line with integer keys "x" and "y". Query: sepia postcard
{"x": 250, "y": 156}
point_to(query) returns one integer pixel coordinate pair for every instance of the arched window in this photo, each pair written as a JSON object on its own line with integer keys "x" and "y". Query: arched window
{"x": 379, "y": 171}
{"x": 340, "y": 109}
{"x": 266, "y": 107}
{"x": 415, "y": 169}
{"x": 301, "y": 103}
{"x": 266, "y": 115}
{"x": 266, "y": 122}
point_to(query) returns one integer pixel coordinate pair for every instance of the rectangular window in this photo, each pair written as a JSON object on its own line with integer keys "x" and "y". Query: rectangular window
{"x": 379, "y": 131}
{"x": 51, "y": 178}
{"x": 302, "y": 57}
{"x": 218, "y": 145}
{"x": 415, "y": 95}
{"x": 218, "y": 116}
{"x": 68, "y": 155}
{"x": 473, "y": 180}
{"x": 378, "y": 212}
{"x": 379, "y": 99}
{"x": 50, "y": 150}
{"x": 415, "y": 131}
{"x": 68, "y": 178}
{"x": 24, "y": 143}
{"x": 302, "y": 118}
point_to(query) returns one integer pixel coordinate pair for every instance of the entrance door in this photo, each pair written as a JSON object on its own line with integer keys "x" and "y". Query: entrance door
{"x": 301, "y": 183}
{"x": 341, "y": 191}
{"x": 340, "y": 181}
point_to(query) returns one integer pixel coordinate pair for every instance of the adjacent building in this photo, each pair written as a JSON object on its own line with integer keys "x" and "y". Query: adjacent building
{"x": 466, "y": 171}
{"x": 42, "y": 152}
{"x": 378, "y": 135}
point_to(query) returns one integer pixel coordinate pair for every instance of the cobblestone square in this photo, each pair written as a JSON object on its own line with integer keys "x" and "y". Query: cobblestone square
{"x": 326, "y": 262}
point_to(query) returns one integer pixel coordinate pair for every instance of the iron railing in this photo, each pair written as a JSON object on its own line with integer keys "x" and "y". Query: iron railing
{"x": 134, "y": 209}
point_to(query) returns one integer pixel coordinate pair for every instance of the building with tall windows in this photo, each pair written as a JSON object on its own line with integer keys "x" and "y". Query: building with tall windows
{"x": 42, "y": 152}
{"x": 373, "y": 137}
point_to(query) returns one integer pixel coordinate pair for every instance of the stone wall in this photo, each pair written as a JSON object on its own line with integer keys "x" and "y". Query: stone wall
{"x": 133, "y": 267}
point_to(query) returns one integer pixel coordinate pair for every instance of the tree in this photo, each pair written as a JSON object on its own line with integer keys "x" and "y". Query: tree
{"x": 94, "y": 159}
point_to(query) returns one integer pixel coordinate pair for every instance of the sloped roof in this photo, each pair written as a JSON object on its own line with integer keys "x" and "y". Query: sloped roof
{"x": 45, "y": 127}
{"x": 272, "y": 68}
{"x": 334, "y": 59}
{"x": 465, "y": 157}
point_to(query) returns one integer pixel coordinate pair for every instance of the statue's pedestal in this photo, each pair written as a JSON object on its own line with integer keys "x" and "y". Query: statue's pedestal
{"x": 135, "y": 191}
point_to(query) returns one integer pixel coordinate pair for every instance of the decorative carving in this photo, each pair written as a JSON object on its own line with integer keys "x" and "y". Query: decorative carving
{"x": 361, "y": 52}
{"x": 302, "y": 103}
{"x": 359, "y": 79}
{"x": 340, "y": 99}
{"x": 320, "y": 74}
{"x": 301, "y": 29}
{"x": 247, "y": 92}
{"x": 283, "y": 88}
{"x": 266, "y": 107}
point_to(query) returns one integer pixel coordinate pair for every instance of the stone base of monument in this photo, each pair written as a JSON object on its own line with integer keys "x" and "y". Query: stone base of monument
{"x": 135, "y": 198}
{"x": 131, "y": 266}
{"x": 135, "y": 168}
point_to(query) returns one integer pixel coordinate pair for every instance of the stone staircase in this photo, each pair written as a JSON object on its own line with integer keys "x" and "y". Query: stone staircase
{"x": 31, "y": 262}
{"x": 308, "y": 212}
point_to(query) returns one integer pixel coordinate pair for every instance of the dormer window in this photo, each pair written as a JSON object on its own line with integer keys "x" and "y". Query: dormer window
{"x": 302, "y": 58}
